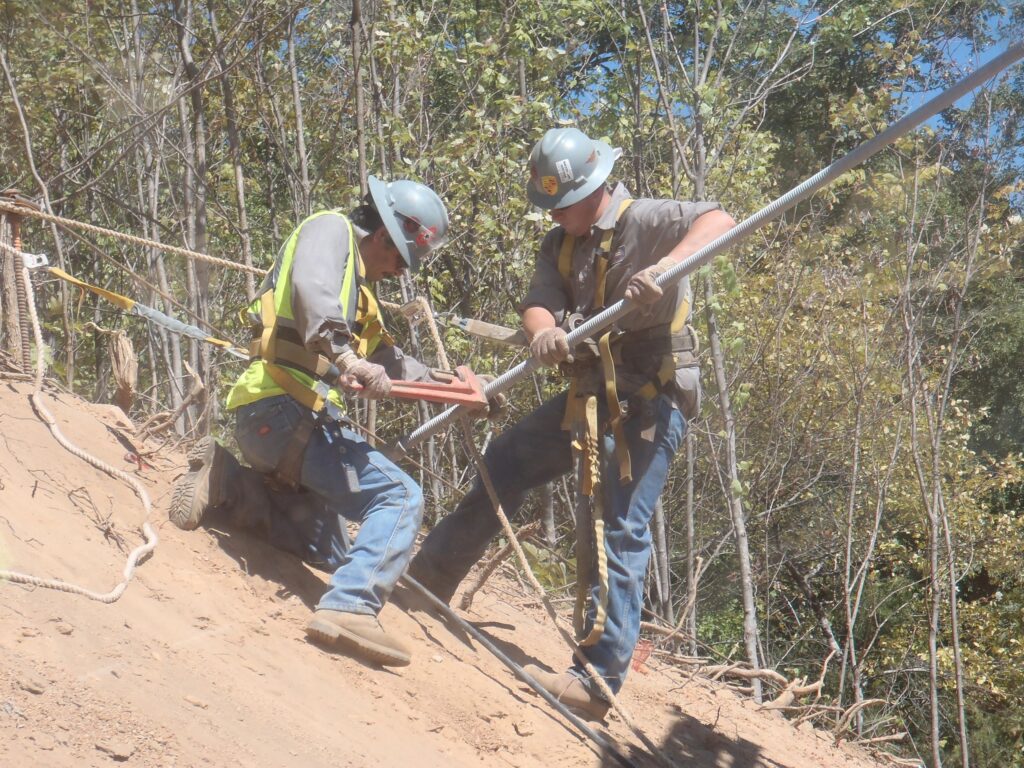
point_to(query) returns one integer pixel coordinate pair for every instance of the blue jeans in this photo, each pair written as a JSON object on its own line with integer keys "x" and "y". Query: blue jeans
{"x": 388, "y": 504}
{"x": 537, "y": 451}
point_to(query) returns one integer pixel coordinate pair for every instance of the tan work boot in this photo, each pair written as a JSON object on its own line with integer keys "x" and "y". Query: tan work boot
{"x": 200, "y": 489}
{"x": 359, "y": 633}
{"x": 571, "y": 691}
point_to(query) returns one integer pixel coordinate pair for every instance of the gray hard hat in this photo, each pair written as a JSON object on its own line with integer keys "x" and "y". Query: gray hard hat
{"x": 415, "y": 217}
{"x": 566, "y": 166}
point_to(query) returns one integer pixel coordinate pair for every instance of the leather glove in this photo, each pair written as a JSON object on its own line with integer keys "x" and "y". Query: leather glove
{"x": 497, "y": 406}
{"x": 549, "y": 347}
{"x": 641, "y": 287}
{"x": 372, "y": 378}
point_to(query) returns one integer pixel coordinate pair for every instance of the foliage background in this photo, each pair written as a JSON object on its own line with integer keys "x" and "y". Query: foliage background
{"x": 870, "y": 341}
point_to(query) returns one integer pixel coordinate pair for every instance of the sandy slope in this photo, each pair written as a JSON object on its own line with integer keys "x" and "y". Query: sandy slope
{"x": 203, "y": 661}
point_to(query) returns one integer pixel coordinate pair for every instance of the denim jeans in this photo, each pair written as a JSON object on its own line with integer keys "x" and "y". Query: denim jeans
{"x": 388, "y": 504}
{"x": 536, "y": 451}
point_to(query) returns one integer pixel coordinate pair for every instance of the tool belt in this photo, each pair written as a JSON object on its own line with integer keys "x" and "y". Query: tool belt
{"x": 280, "y": 348}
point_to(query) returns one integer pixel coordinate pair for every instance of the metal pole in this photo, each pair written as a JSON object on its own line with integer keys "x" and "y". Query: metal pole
{"x": 586, "y": 730}
{"x": 789, "y": 200}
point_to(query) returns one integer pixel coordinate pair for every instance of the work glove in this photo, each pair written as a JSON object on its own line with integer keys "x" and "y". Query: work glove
{"x": 549, "y": 347}
{"x": 372, "y": 379}
{"x": 497, "y": 405}
{"x": 641, "y": 287}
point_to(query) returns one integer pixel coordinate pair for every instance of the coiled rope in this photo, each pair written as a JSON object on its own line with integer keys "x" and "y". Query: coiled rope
{"x": 38, "y": 404}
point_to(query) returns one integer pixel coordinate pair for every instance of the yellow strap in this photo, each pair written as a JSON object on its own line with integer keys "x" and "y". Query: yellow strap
{"x": 306, "y": 396}
{"x": 591, "y": 522}
{"x": 679, "y": 319}
{"x": 570, "y": 418}
{"x": 115, "y": 298}
{"x": 268, "y": 316}
{"x": 600, "y": 269}
{"x": 295, "y": 356}
{"x": 614, "y": 409}
{"x": 372, "y": 331}
{"x": 268, "y": 351}
{"x": 601, "y": 609}
{"x": 601, "y": 257}
{"x": 650, "y": 390}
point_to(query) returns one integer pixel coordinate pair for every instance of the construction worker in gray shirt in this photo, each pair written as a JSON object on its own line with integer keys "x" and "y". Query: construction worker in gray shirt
{"x": 317, "y": 326}
{"x": 624, "y": 414}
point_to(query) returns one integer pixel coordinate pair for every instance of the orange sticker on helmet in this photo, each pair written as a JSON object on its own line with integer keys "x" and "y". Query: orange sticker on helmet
{"x": 549, "y": 184}
{"x": 426, "y": 235}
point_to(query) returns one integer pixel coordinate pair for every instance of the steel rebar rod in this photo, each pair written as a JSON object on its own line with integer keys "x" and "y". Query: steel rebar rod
{"x": 773, "y": 210}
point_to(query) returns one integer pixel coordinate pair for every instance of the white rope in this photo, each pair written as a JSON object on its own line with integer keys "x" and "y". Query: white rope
{"x": 43, "y": 412}
{"x": 22, "y": 210}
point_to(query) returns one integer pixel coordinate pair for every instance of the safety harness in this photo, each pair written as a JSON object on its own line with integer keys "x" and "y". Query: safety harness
{"x": 302, "y": 374}
{"x": 665, "y": 345}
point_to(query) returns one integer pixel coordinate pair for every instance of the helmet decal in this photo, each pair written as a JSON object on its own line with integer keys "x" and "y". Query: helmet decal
{"x": 565, "y": 166}
{"x": 425, "y": 235}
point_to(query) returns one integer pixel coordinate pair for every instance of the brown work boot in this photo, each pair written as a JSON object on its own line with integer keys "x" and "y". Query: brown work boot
{"x": 201, "y": 488}
{"x": 570, "y": 690}
{"x": 359, "y": 633}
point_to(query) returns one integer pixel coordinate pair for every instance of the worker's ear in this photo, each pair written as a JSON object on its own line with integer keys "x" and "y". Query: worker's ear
{"x": 381, "y": 235}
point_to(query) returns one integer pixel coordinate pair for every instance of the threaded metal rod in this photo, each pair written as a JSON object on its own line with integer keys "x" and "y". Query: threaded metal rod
{"x": 772, "y": 211}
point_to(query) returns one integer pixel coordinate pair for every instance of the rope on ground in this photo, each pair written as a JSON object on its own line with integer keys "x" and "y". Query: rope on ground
{"x": 137, "y": 554}
{"x": 21, "y": 210}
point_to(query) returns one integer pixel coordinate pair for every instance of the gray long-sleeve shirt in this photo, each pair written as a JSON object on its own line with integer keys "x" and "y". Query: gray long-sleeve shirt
{"x": 319, "y": 266}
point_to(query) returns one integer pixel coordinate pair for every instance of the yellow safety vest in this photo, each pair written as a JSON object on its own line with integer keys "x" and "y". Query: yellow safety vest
{"x": 281, "y": 363}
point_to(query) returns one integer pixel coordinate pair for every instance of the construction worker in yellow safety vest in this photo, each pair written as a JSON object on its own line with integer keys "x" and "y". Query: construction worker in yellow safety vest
{"x": 624, "y": 414}
{"x": 316, "y": 323}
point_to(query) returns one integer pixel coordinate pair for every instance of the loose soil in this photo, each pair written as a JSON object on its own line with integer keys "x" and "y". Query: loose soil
{"x": 203, "y": 661}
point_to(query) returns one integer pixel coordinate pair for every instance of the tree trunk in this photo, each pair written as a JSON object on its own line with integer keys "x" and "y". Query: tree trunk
{"x": 691, "y": 549}
{"x": 300, "y": 128}
{"x": 357, "y": 86}
{"x": 734, "y": 489}
{"x": 235, "y": 152}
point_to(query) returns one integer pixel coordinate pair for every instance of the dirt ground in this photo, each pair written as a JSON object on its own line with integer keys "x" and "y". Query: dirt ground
{"x": 203, "y": 660}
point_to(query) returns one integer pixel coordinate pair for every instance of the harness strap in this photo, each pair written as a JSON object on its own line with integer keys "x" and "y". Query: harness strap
{"x": 294, "y": 356}
{"x": 590, "y": 539}
{"x": 581, "y": 417}
{"x": 289, "y": 468}
{"x": 615, "y": 414}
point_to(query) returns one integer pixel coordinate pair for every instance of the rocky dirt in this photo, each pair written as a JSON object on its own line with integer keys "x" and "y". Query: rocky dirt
{"x": 203, "y": 660}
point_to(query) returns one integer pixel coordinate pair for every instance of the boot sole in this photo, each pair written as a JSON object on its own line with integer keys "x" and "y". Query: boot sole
{"x": 184, "y": 512}
{"x": 331, "y": 634}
